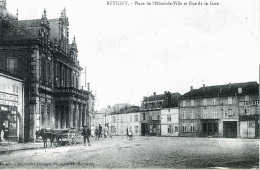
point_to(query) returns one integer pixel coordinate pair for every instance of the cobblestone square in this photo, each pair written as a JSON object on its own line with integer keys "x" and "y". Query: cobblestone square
{"x": 141, "y": 152}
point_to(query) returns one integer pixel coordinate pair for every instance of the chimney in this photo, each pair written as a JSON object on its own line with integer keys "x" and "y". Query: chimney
{"x": 191, "y": 88}
{"x": 165, "y": 92}
{"x": 203, "y": 87}
{"x": 229, "y": 85}
{"x": 154, "y": 93}
{"x": 88, "y": 87}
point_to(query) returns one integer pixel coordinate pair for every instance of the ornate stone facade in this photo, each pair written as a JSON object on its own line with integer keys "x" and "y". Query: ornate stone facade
{"x": 39, "y": 51}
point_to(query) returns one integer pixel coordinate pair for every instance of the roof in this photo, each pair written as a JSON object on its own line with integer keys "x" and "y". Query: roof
{"x": 248, "y": 88}
{"x": 130, "y": 109}
{"x": 155, "y": 97}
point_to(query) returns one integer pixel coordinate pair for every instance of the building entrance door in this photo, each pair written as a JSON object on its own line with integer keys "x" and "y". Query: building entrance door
{"x": 143, "y": 129}
{"x": 230, "y": 129}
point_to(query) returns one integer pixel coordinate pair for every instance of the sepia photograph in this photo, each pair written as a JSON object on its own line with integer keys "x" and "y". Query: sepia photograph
{"x": 132, "y": 84}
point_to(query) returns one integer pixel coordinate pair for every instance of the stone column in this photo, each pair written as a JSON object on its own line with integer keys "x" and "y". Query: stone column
{"x": 71, "y": 106}
{"x": 80, "y": 116}
{"x": 76, "y": 115}
{"x": 84, "y": 115}
{"x": 63, "y": 113}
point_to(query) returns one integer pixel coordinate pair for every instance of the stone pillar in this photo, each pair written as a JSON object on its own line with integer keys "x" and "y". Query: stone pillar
{"x": 71, "y": 106}
{"x": 63, "y": 113}
{"x": 76, "y": 117}
{"x": 84, "y": 115}
{"x": 80, "y": 116}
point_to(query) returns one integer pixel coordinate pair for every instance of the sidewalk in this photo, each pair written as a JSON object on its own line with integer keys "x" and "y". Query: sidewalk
{"x": 13, "y": 146}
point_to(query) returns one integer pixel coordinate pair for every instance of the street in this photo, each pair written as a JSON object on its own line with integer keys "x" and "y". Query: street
{"x": 141, "y": 152}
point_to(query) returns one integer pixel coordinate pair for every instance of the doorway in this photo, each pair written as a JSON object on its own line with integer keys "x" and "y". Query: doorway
{"x": 230, "y": 129}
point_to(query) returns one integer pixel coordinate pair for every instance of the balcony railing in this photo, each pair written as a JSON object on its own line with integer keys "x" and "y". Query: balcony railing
{"x": 70, "y": 91}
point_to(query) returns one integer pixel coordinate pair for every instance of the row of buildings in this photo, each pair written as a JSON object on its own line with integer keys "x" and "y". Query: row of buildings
{"x": 229, "y": 111}
{"x": 40, "y": 76}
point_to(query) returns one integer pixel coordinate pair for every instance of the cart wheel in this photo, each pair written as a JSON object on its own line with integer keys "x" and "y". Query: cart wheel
{"x": 71, "y": 137}
{"x": 57, "y": 142}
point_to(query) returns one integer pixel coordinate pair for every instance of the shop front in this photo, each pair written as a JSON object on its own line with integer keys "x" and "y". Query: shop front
{"x": 8, "y": 123}
{"x": 11, "y": 109}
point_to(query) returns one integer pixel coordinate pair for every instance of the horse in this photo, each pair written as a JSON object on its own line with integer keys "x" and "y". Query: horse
{"x": 45, "y": 134}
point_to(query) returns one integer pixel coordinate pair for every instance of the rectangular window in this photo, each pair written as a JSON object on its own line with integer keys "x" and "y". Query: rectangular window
{"x": 229, "y": 100}
{"x": 12, "y": 65}
{"x": 205, "y": 114}
{"x": 214, "y": 113}
{"x": 136, "y": 117}
{"x": 169, "y": 129}
{"x": 192, "y": 103}
{"x": 205, "y": 102}
{"x": 184, "y": 128}
{"x": 48, "y": 114}
{"x": 169, "y": 118}
{"x": 143, "y": 116}
{"x": 184, "y": 115}
{"x": 158, "y": 116}
{"x": 225, "y": 113}
{"x": 192, "y": 115}
{"x": 42, "y": 114}
{"x": 184, "y": 103}
{"x": 192, "y": 128}
{"x": 150, "y": 117}
{"x": 247, "y": 109}
{"x": 48, "y": 71}
{"x": 215, "y": 127}
{"x": 136, "y": 129}
{"x": 214, "y": 101}
{"x": 247, "y": 98}
{"x": 230, "y": 113}
{"x": 114, "y": 119}
{"x": 151, "y": 128}
{"x": 15, "y": 89}
{"x": 176, "y": 129}
{"x": 113, "y": 129}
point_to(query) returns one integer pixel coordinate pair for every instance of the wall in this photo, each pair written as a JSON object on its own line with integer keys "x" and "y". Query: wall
{"x": 174, "y": 123}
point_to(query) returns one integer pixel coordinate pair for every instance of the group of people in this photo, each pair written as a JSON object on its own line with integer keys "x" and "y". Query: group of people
{"x": 97, "y": 132}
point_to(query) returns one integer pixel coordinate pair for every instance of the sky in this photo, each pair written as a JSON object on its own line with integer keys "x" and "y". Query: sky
{"x": 132, "y": 51}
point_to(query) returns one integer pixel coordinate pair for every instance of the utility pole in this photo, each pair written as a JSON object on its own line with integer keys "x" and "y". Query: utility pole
{"x": 85, "y": 78}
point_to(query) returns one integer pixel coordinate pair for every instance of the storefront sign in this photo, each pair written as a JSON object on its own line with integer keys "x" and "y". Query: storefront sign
{"x": 9, "y": 103}
{"x": 8, "y": 97}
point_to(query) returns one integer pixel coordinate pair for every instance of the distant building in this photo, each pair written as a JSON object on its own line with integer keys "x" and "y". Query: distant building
{"x": 151, "y": 112}
{"x": 170, "y": 121}
{"x": 228, "y": 111}
{"x": 125, "y": 119}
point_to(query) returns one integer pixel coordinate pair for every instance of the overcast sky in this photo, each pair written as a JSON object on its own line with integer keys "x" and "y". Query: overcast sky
{"x": 132, "y": 51}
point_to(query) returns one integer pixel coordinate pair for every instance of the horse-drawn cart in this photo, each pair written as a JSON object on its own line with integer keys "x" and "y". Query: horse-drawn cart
{"x": 60, "y": 136}
{"x": 65, "y": 136}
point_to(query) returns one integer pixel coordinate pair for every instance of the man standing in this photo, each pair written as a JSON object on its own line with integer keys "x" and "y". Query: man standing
{"x": 86, "y": 133}
{"x": 99, "y": 131}
{"x": 2, "y": 131}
